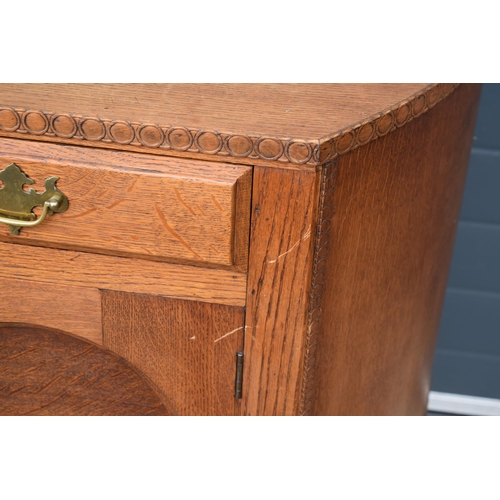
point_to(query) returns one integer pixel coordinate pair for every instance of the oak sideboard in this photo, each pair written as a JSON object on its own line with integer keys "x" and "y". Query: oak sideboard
{"x": 226, "y": 249}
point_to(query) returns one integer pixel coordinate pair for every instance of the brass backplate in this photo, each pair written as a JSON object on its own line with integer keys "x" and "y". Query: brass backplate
{"x": 17, "y": 204}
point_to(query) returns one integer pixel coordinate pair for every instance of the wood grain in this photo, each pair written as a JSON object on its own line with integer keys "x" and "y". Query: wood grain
{"x": 281, "y": 125}
{"x": 46, "y": 372}
{"x": 349, "y": 245}
{"x": 251, "y": 108}
{"x": 129, "y": 204}
{"x": 242, "y": 197}
{"x": 318, "y": 283}
{"x": 80, "y": 269}
{"x": 188, "y": 349}
{"x": 52, "y": 305}
{"x": 281, "y": 251}
{"x": 395, "y": 209}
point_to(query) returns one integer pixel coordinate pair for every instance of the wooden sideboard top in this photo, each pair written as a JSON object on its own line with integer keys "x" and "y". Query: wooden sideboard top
{"x": 286, "y": 125}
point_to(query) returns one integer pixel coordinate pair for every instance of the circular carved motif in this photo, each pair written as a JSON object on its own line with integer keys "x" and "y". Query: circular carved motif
{"x": 239, "y": 145}
{"x": 92, "y": 129}
{"x": 316, "y": 152}
{"x": 208, "y": 142}
{"x": 433, "y": 95}
{"x": 385, "y": 123}
{"x": 345, "y": 142}
{"x": 211, "y": 142}
{"x": 63, "y": 125}
{"x": 403, "y": 115}
{"x": 121, "y": 132}
{"x": 418, "y": 105}
{"x": 9, "y": 120}
{"x": 269, "y": 148}
{"x": 365, "y": 133}
{"x": 180, "y": 138}
{"x": 150, "y": 136}
{"x": 35, "y": 122}
{"x": 299, "y": 152}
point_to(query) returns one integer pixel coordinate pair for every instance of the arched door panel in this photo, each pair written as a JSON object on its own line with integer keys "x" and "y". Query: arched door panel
{"x": 48, "y": 372}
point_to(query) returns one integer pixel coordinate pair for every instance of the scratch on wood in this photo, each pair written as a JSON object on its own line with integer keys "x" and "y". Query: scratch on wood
{"x": 90, "y": 172}
{"x": 254, "y": 338}
{"x": 341, "y": 225}
{"x": 103, "y": 194}
{"x": 48, "y": 384}
{"x": 182, "y": 202}
{"x": 113, "y": 205}
{"x": 29, "y": 370}
{"x": 81, "y": 214}
{"x": 305, "y": 237}
{"x": 165, "y": 224}
{"x": 228, "y": 333}
{"x": 86, "y": 351}
{"x": 20, "y": 354}
{"x": 217, "y": 204}
{"x": 47, "y": 404}
{"x": 131, "y": 188}
{"x": 16, "y": 390}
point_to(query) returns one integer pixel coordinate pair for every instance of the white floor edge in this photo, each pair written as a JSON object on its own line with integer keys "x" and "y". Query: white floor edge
{"x": 459, "y": 404}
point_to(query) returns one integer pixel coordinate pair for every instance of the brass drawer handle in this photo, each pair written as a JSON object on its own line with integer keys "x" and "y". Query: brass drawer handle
{"x": 18, "y": 204}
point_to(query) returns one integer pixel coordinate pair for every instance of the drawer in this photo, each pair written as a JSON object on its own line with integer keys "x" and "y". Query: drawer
{"x": 129, "y": 204}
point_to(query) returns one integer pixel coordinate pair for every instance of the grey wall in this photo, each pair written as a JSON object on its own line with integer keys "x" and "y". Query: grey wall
{"x": 467, "y": 360}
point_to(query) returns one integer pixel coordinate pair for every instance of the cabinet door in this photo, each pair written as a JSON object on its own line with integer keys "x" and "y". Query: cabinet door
{"x": 187, "y": 348}
{"x": 73, "y": 350}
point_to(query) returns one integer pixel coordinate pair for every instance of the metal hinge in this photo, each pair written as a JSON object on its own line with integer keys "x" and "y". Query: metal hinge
{"x": 239, "y": 375}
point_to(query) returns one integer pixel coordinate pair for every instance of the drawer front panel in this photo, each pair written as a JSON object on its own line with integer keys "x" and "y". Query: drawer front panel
{"x": 131, "y": 204}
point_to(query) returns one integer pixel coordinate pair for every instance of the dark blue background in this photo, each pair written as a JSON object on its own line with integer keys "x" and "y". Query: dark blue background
{"x": 467, "y": 359}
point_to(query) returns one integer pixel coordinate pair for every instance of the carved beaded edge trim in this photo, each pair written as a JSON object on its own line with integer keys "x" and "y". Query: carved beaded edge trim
{"x": 321, "y": 243}
{"x": 282, "y": 151}
{"x": 382, "y": 123}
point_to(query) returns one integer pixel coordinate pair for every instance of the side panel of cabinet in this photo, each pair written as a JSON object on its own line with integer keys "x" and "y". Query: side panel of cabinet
{"x": 187, "y": 348}
{"x": 394, "y": 212}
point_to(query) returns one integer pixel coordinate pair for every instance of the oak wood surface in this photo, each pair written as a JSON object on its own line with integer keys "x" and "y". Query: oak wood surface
{"x": 281, "y": 250}
{"x": 322, "y": 237}
{"x": 395, "y": 211}
{"x": 286, "y": 126}
{"x": 81, "y": 269}
{"x": 307, "y": 111}
{"x": 52, "y": 305}
{"x": 47, "y": 372}
{"x": 125, "y": 203}
{"x": 188, "y": 349}
{"x": 347, "y": 263}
